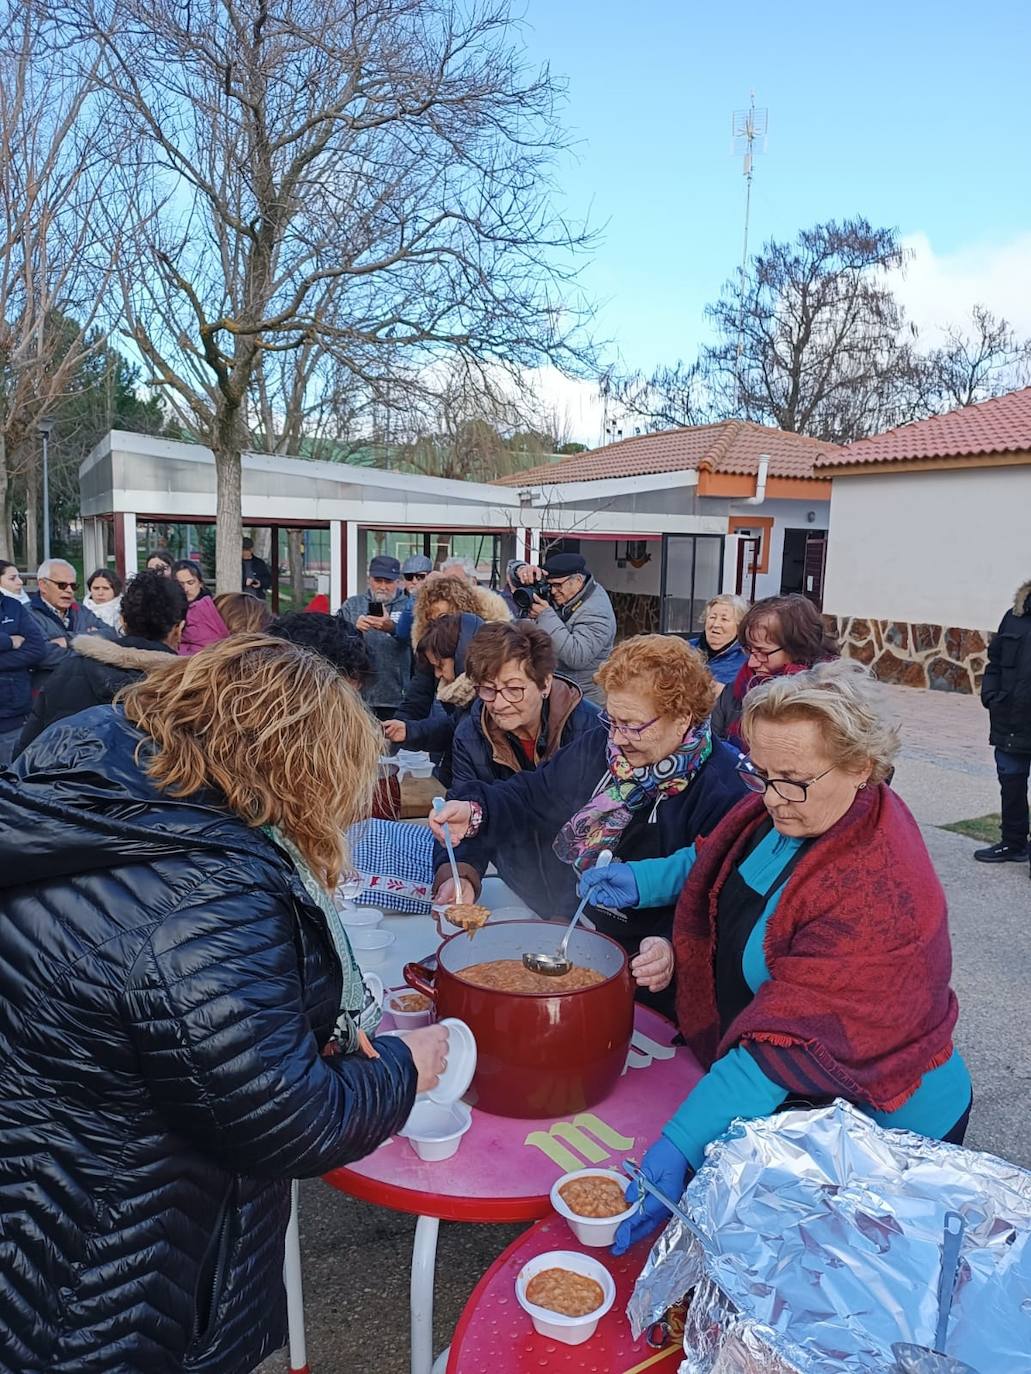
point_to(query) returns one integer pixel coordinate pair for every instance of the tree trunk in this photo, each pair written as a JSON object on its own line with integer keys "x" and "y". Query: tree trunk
{"x": 32, "y": 554}
{"x": 295, "y": 554}
{"x": 228, "y": 522}
{"x": 6, "y": 532}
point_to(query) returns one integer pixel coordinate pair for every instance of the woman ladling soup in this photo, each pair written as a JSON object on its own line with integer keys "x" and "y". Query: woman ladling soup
{"x": 827, "y": 971}
{"x": 649, "y": 778}
{"x": 781, "y": 635}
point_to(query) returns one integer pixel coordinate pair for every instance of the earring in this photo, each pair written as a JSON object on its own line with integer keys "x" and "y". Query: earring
{"x": 861, "y": 786}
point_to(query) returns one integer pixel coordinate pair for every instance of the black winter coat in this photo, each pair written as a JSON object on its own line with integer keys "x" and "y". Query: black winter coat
{"x": 1006, "y": 687}
{"x": 90, "y": 676}
{"x": 168, "y": 986}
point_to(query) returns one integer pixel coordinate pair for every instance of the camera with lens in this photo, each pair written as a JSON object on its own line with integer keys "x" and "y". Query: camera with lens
{"x": 523, "y": 596}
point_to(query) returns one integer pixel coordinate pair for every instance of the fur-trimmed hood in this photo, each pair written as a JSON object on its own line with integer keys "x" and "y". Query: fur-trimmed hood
{"x": 1022, "y": 600}
{"x": 132, "y": 655}
{"x": 489, "y": 606}
{"x": 459, "y": 693}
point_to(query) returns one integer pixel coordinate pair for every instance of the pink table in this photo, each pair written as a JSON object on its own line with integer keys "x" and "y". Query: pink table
{"x": 506, "y": 1165}
{"x": 495, "y": 1336}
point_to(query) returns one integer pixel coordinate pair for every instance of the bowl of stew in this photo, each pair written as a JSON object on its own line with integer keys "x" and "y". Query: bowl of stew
{"x": 593, "y": 1203}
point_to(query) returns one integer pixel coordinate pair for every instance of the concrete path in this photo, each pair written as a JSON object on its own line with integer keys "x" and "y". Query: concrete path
{"x": 357, "y": 1257}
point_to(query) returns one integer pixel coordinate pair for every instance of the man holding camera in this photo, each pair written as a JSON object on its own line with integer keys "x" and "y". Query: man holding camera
{"x": 566, "y": 602}
{"x": 376, "y": 614}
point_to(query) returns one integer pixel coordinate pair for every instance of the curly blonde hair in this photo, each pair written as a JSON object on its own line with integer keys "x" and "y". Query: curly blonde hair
{"x": 272, "y": 727}
{"x": 664, "y": 669}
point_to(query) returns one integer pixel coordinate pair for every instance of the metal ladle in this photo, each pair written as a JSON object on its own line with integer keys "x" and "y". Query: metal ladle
{"x": 921, "y": 1359}
{"x": 555, "y": 965}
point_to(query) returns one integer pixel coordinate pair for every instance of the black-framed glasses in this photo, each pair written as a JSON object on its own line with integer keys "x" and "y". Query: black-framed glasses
{"x": 765, "y": 654}
{"x": 488, "y": 694}
{"x": 617, "y": 727}
{"x": 786, "y": 788}
{"x": 61, "y": 586}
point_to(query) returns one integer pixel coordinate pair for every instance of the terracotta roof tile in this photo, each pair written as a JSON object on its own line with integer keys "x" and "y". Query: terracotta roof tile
{"x": 731, "y": 446}
{"x": 1002, "y": 425}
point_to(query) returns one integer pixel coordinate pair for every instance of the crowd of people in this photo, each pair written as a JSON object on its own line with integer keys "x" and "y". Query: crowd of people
{"x": 184, "y": 1025}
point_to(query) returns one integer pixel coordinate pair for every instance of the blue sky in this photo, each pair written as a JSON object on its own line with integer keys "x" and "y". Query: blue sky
{"x": 914, "y": 114}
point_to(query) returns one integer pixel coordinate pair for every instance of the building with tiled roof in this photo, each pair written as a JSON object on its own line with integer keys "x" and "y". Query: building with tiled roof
{"x": 929, "y": 540}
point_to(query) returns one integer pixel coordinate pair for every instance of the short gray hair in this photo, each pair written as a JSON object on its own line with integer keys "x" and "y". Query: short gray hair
{"x": 841, "y": 698}
{"x": 737, "y": 604}
{"x": 46, "y": 568}
{"x": 467, "y": 566}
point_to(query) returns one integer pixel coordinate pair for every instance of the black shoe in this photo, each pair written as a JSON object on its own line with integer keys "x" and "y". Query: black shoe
{"x": 1002, "y": 853}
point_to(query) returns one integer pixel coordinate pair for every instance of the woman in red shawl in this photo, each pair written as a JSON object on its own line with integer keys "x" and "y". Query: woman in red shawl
{"x": 811, "y": 938}
{"x": 781, "y": 635}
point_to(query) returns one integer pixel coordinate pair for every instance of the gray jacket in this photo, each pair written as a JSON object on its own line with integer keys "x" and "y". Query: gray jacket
{"x": 583, "y": 641}
{"x": 391, "y": 657}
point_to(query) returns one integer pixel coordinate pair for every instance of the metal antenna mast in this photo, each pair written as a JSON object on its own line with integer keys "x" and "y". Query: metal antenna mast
{"x": 748, "y": 129}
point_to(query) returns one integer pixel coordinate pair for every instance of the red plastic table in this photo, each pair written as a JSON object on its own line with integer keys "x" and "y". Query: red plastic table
{"x": 495, "y": 1336}
{"x": 505, "y": 1167}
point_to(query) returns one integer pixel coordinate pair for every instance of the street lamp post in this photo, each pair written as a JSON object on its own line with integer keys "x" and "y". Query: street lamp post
{"x": 45, "y": 426}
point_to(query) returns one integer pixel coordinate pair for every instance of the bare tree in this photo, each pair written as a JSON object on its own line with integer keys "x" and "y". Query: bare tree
{"x": 667, "y": 398}
{"x": 975, "y": 364}
{"x": 372, "y": 176}
{"x": 55, "y": 149}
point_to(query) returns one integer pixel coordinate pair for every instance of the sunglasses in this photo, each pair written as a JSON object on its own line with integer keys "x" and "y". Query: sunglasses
{"x": 416, "y": 577}
{"x": 61, "y": 586}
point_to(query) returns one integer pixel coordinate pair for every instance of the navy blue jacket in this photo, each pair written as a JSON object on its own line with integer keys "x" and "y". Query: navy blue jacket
{"x": 481, "y": 757}
{"x": 725, "y": 663}
{"x": 531, "y": 808}
{"x": 16, "y": 664}
{"x": 168, "y": 986}
{"x": 80, "y": 622}
{"x": 433, "y": 730}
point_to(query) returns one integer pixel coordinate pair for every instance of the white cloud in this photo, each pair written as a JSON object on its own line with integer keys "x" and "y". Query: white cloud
{"x": 940, "y": 289}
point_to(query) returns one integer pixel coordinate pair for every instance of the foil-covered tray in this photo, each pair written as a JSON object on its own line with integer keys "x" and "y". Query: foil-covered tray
{"x": 823, "y": 1248}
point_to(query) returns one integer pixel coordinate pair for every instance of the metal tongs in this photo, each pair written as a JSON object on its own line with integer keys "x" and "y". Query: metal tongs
{"x": 645, "y": 1185}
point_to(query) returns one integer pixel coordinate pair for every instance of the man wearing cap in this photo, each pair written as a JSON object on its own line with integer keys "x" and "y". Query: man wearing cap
{"x": 391, "y": 657}
{"x": 580, "y": 621}
{"x": 415, "y": 571}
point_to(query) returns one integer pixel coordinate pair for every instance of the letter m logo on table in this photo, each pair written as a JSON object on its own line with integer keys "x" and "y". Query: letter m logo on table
{"x": 577, "y": 1135}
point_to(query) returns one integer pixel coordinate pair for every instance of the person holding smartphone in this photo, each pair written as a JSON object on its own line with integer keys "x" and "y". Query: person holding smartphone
{"x": 375, "y": 613}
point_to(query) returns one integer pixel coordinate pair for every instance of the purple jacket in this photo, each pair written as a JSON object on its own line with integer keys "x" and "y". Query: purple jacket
{"x": 203, "y": 626}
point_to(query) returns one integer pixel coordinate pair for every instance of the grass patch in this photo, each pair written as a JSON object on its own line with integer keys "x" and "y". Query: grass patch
{"x": 984, "y": 828}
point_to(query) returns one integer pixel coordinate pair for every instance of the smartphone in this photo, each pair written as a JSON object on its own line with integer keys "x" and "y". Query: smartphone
{"x": 376, "y": 609}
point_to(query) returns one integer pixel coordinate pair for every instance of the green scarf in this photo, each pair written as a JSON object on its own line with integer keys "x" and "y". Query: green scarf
{"x": 359, "y": 1010}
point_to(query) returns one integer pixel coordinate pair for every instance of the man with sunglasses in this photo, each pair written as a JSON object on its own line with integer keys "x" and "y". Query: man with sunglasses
{"x": 59, "y": 616}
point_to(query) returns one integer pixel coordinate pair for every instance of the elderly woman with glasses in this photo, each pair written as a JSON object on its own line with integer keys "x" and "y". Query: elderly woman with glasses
{"x": 811, "y": 939}
{"x": 780, "y": 635}
{"x": 648, "y": 779}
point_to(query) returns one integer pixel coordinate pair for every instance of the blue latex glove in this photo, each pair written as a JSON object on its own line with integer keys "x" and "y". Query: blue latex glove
{"x": 666, "y": 1167}
{"x": 614, "y": 886}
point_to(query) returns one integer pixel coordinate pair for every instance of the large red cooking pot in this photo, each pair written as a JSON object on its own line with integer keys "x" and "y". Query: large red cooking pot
{"x": 538, "y": 1054}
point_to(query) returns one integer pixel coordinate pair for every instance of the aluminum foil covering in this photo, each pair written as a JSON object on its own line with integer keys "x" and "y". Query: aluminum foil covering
{"x": 824, "y": 1238}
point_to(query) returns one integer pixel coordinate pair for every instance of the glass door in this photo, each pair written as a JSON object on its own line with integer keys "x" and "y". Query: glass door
{"x": 692, "y": 573}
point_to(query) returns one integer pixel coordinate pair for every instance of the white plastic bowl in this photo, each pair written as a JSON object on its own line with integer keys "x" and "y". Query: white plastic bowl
{"x": 461, "y": 1063}
{"x": 435, "y": 1130}
{"x": 406, "y": 1020}
{"x": 359, "y": 917}
{"x": 567, "y": 1330}
{"x": 593, "y": 1231}
{"x": 369, "y": 944}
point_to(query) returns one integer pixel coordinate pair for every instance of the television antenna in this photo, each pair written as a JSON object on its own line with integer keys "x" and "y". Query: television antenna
{"x": 748, "y": 137}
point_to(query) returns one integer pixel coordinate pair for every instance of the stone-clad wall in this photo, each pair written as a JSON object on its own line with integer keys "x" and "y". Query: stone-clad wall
{"x": 941, "y": 657}
{"x": 635, "y": 614}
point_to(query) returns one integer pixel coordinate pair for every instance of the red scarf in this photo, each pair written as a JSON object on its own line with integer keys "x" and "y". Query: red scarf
{"x": 858, "y": 1003}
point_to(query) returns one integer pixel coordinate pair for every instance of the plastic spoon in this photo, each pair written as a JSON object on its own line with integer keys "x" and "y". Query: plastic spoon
{"x": 438, "y": 806}
{"x": 555, "y": 965}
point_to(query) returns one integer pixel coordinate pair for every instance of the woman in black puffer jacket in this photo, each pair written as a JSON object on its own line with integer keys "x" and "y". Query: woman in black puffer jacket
{"x": 179, "y": 1035}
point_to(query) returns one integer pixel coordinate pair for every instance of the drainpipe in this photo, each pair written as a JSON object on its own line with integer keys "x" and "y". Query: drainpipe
{"x": 760, "y": 483}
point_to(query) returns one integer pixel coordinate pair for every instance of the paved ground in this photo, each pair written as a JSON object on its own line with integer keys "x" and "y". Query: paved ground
{"x": 356, "y": 1257}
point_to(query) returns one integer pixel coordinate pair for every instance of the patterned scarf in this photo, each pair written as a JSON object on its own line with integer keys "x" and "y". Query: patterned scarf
{"x": 360, "y": 1013}
{"x": 599, "y": 824}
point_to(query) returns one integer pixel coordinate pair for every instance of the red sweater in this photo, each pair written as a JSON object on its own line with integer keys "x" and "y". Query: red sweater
{"x": 858, "y": 1002}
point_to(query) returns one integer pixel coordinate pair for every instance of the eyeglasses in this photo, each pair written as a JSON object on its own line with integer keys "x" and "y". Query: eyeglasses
{"x": 786, "y": 788}
{"x": 416, "y": 577}
{"x": 512, "y": 694}
{"x": 616, "y": 727}
{"x": 61, "y": 586}
{"x": 764, "y": 654}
